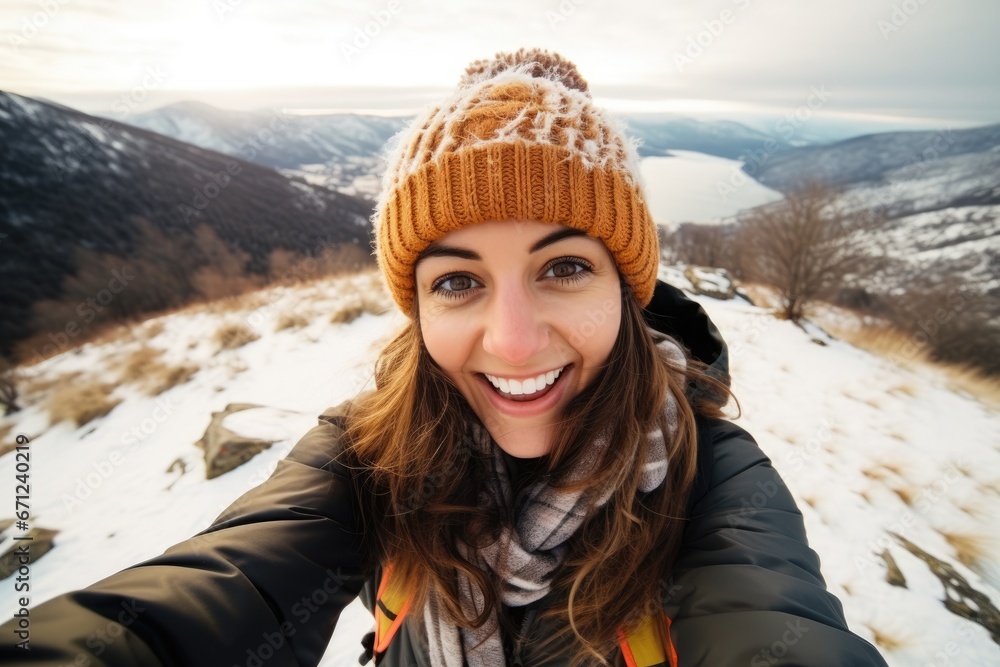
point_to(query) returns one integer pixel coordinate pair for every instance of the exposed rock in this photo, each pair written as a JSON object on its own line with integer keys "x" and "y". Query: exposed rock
{"x": 712, "y": 282}
{"x": 961, "y": 598}
{"x": 894, "y": 576}
{"x": 225, "y": 450}
{"x": 38, "y": 541}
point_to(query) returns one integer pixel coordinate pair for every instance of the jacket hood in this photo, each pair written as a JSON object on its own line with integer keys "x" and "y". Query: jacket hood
{"x": 672, "y": 313}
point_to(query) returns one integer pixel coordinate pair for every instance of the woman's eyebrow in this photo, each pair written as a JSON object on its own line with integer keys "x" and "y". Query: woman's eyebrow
{"x": 558, "y": 235}
{"x": 438, "y": 250}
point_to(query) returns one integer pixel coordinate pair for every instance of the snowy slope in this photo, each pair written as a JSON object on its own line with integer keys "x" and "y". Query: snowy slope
{"x": 844, "y": 428}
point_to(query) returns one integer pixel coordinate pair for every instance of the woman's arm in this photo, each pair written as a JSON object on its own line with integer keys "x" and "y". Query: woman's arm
{"x": 747, "y": 589}
{"x": 264, "y": 584}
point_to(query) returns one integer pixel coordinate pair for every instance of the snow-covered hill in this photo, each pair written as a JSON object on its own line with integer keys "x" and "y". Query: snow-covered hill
{"x": 866, "y": 446}
{"x": 70, "y": 181}
{"x": 339, "y": 151}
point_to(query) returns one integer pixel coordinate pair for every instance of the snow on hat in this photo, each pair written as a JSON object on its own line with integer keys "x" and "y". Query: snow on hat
{"x": 519, "y": 139}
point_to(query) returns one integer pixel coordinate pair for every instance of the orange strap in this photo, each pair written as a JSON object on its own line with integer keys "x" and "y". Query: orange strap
{"x": 649, "y": 645}
{"x": 392, "y": 603}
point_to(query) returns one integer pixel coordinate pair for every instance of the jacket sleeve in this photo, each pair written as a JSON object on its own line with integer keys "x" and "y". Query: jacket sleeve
{"x": 264, "y": 584}
{"x": 747, "y": 588}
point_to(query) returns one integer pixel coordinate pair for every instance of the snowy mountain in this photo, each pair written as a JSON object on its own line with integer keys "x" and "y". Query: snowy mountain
{"x": 895, "y": 472}
{"x": 339, "y": 151}
{"x": 69, "y": 180}
{"x": 661, "y": 133}
{"x": 342, "y": 150}
{"x": 939, "y": 192}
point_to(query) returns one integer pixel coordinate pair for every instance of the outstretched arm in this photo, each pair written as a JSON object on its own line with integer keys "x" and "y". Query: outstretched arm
{"x": 747, "y": 588}
{"x": 264, "y": 584}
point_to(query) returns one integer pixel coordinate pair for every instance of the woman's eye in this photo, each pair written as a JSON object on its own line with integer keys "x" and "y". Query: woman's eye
{"x": 564, "y": 269}
{"x": 452, "y": 286}
{"x": 568, "y": 269}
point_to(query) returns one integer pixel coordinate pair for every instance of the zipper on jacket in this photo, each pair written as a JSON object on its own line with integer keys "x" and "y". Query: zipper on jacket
{"x": 529, "y": 618}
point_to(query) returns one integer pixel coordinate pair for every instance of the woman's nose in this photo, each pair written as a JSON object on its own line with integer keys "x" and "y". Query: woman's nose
{"x": 515, "y": 329}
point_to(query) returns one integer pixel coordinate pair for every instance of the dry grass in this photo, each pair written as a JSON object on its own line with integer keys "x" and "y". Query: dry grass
{"x": 40, "y": 385}
{"x": 355, "y": 308}
{"x": 82, "y": 401}
{"x": 145, "y": 369}
{"x": 232, "y": 335}
{"x": 884, "y": 341}
{"x": 244, "y": 302}
{"x": 809, "y": 499}
{"x": 762, "y": 296}
{"x": 973, "y": 383}
{"x": 990, "y": 487}
{"x": 904, "y": 389}
{"x": 887, "y": 640}
{"x": 136, "y": 365}
{"x": 5, "y": 445}
{"x": 971, "y": 549}
{"x": 908, "y": 494}
{"x": 976, "y": 509}
{"x": 112, "y": 333}
{"x": 876, "y": 473}
{"x": 895, "y": 467}
{"x": 875, "y": 402}
{"x": 292, "y": 321}
{"x": 889, "y": 342}
{"x": 153, "y": 329}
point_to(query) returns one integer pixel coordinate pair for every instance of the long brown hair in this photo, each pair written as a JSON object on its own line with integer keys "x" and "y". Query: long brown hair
{"x": 406, "y": 441}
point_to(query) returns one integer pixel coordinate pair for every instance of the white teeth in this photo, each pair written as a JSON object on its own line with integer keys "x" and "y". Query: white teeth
{"x": 529, "y": 386}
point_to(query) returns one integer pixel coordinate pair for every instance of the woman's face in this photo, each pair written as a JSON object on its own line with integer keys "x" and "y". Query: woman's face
{"x": 534, "y": 308}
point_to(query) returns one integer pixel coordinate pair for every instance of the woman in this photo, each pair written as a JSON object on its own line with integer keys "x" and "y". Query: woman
{"x": 543, "y": 475}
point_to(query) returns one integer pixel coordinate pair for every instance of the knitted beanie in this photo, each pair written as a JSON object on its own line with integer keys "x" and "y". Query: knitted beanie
{"x": 520, "y": 139}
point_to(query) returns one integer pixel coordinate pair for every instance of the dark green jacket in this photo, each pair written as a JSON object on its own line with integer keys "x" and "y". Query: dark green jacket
{"x": 267, "y": 581}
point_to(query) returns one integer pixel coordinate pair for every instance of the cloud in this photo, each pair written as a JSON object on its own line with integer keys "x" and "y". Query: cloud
{"x": 937, "y": 59}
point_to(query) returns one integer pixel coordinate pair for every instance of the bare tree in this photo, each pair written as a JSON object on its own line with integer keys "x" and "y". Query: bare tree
{"x": 701, "y": 245}
{"x": 807, "y": 245}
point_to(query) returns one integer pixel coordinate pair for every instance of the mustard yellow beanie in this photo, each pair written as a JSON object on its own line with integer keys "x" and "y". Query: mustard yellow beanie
{"x": 520, "y": 139}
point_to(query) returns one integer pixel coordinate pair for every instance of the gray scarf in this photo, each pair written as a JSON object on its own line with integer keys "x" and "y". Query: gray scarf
{"x": 528, "y": 555}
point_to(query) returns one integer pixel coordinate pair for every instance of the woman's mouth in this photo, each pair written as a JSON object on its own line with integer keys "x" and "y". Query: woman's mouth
{"x": 529, "y": 389}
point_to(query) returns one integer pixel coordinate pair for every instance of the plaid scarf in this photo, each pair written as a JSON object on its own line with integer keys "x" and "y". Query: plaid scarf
{"x": 528, "y": 554}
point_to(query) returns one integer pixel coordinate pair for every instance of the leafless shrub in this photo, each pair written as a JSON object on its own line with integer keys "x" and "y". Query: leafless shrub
{"x": 807, "y": 246}
{"x": 701, "y": 245}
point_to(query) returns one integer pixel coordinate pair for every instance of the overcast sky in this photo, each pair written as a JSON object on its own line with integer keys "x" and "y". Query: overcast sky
{"x": 913, "y": 61}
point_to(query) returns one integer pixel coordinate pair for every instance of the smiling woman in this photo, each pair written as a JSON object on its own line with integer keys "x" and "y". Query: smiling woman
{"x": 500, "y": 315}
{"x": 543, "y": 475}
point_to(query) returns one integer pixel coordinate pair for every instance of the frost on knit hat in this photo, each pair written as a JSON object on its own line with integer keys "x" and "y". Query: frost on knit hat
{"x": 519, "y": 139}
